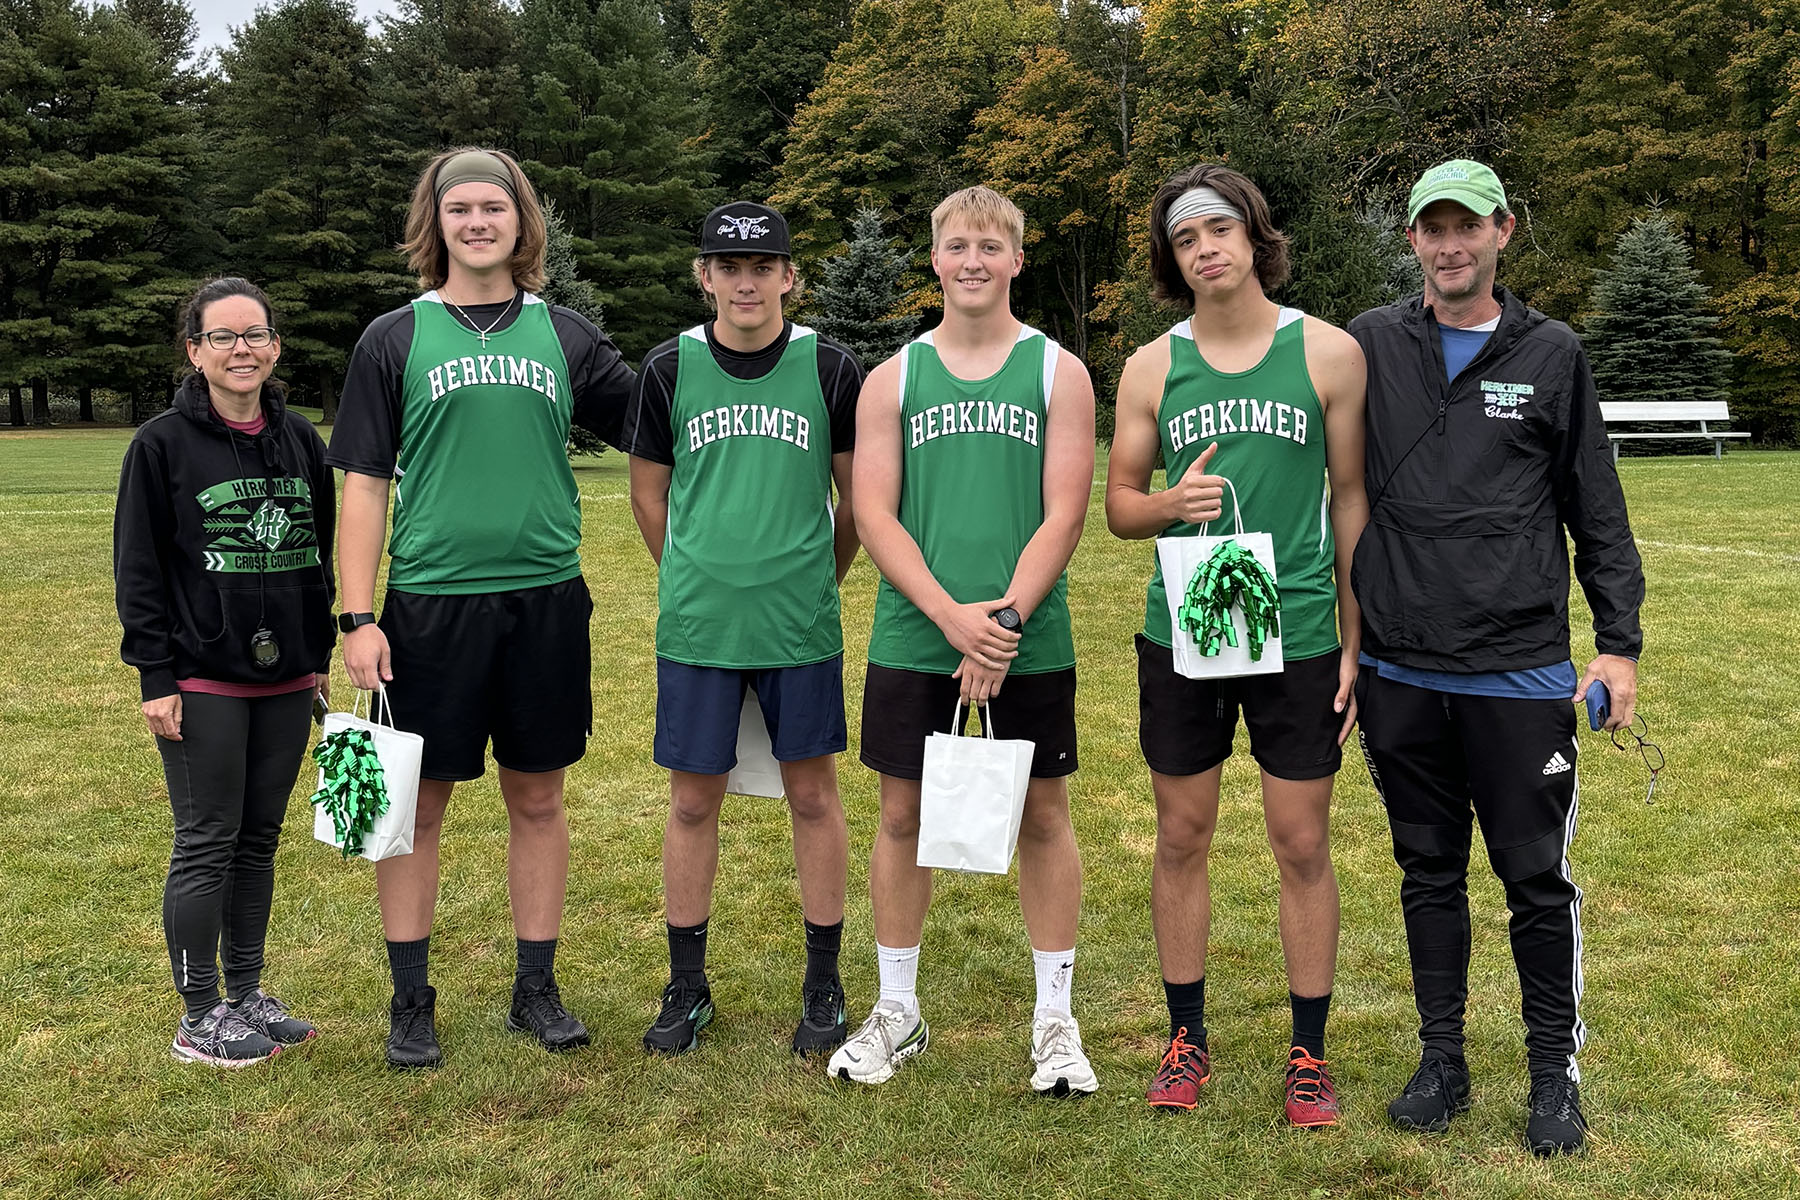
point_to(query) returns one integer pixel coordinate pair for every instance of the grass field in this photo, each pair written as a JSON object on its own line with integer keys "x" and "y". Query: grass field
{"x": 1692, "y": 915}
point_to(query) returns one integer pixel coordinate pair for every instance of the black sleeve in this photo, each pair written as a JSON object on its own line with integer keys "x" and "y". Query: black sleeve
{"x": 324, "y": 501}
{"x": 1592, "y": 506}
{"x": 841, "y": 379}
{"x": 602, "y": 380}
{"x": 143, "y": 539}
{"x": 647, "y": 433}
{"x": 366, "y": 438}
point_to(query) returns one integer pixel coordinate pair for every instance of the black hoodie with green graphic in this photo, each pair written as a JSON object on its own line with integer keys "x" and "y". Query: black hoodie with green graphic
{"x": 219, "y": 534}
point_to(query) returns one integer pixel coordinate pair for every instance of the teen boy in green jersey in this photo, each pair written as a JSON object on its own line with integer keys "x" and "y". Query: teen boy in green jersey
{"x": 975, "y": 450}
{"x": 1272, "y": 400}
{"x": 736, "y": 431}
{"x": 463, "y": 399}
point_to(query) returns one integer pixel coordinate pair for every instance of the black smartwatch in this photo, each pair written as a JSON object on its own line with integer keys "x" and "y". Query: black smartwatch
{"x": 350, "y": 622}
{"x": 1007, "y": 618}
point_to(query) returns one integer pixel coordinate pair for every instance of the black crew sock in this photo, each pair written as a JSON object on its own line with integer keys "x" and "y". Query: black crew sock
{"x": 535, "y": 957}
{"x": 407, "y": 960}
{"x": 198, "y": 1005}
{"x": 1187, "y": 1009}
{"x": 687, "y": 952}
{"x": 822, "y": 945}
{"x": 1309, "y": 1022}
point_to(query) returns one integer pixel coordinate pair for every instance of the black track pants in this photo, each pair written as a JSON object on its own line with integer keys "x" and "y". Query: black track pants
{"x": 1440, "y": 762}
{"x": 229, "y": 779}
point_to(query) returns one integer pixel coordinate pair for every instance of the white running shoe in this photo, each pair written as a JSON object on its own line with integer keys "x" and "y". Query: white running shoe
{"x": 888, "y": 1038}
{"x": 1059, "y": 1066}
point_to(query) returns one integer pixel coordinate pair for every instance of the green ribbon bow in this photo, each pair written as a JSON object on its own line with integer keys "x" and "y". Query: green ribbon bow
{"x": 354, "y": 791}
{"x": 1231, "y": 576}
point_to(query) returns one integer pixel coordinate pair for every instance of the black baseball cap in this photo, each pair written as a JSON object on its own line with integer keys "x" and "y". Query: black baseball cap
{"x": 744, "y": 227}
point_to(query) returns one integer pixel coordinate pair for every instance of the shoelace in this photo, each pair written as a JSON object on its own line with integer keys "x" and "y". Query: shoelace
{"x": 821, "y": 1007}
{"x": 262, "y": 1007}
{"x": 545, "y": 1004}
{"x": 881, "y": 1026}
{"x": 1431, "y": 1079}
{"x": 1178, "y": 1059}
{"x": 1060, "y": 1041}
{"x": 1306, "y": 1076}
{"x": 1553, "y": 1098}
{"x": 678, "y": 1002}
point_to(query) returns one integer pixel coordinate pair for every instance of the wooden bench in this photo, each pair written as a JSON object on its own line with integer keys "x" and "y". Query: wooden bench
{"x": 1615, "y": 412}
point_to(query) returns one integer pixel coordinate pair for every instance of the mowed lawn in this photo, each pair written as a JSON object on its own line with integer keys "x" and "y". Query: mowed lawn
{"x": 1692, "y": 926}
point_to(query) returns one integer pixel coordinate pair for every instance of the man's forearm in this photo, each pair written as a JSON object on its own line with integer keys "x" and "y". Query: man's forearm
{"x": 362, "y": 526}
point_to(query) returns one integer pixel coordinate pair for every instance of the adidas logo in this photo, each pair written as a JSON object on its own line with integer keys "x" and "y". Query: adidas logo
{"x": 1558, "y": 764}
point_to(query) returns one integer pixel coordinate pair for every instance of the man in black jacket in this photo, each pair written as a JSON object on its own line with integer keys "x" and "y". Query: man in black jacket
{"x": 1485, "y": 444}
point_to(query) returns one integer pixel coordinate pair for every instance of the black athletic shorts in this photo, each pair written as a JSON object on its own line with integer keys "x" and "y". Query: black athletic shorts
{"x": 511, "y": 666}
{"x": 902, "y": 708}
{"x": 1185, "y": 726}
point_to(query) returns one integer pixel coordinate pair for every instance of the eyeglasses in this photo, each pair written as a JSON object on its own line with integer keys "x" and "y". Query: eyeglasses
{"x": 256, "y": 337}
{"x": 1647, "y": 750}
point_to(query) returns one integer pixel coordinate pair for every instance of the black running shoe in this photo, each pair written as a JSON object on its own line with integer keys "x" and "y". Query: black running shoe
{"x": 1438, "y": 1090}
{"x": 537, "y": 1008}
{"x": 412, "y": 1029}
{"x": 221, "y": 1039}
{"x": 1556, "y": 1125}
{"x": 822, "y": 1027}
{"x": 687, "y": 1008}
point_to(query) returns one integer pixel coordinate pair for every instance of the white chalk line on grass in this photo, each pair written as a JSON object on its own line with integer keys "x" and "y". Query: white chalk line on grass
{"x": 1688, "y": 548}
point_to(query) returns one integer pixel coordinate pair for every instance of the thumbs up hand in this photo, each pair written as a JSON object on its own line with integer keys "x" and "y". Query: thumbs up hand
{"x": 1197, "y": 497}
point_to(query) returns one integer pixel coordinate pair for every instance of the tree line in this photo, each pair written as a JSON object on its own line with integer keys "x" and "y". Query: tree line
{"x": 132, "y": 167}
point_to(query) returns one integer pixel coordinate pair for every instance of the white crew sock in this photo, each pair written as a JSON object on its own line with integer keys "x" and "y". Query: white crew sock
{"x": 899, "y": 975}
{"x": 1055, "y": 979}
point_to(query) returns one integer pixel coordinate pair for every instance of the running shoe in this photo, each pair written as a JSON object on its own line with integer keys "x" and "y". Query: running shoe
{"x": 1058, "y": 1065}
{"x": 221, "y": 1039}
{"x": 822, "y": 1026}
{"x": 1437, "y": 1091}
{"x": 537, "y": 1009}
{"x": 1556, "y": 1125}
{"x": 1184, "y": 1070}
{"x": 1311, "y": 1097}
{"x": 271, "y": 1018}
{"x": 888, "y": 1038}
{"x": 687, "y": 1008}
{"x": 412, "y": 1029}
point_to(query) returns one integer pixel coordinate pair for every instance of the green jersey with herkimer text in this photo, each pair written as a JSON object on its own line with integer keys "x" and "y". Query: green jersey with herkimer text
{"x": 484, "y": 500}
{"x": 748, "y": 579}
{"x": 972, "y": 496}
{"x": 1270, "y": 427}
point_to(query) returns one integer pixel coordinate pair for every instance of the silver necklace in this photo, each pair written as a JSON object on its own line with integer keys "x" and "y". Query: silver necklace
{"x": 475, "y": 329}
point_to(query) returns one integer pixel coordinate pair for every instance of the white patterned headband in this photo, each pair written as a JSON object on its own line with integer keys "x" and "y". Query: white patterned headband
{"x": 1199, "y": 202}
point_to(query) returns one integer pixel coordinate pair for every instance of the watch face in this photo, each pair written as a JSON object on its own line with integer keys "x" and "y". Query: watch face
{"x": 1008, "y": 618}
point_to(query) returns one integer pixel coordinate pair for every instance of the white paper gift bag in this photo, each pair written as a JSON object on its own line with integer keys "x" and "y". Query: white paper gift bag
{"x": 757, "y": 773}
{"x": 1180, "y": 558}
{"x": 400, "y": 754}
{"x": 971, "y": 798}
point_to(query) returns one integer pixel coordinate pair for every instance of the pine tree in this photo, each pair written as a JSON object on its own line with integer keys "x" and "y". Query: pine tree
{"x": 1651, "y": 336}
{"x": 861, "y": 289}
{"x": 564, "y": 285}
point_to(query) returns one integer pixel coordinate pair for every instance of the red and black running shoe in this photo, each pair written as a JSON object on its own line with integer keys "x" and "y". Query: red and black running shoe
{"x": 1311, "y": 1098}
{"x": 1184, "y": 1070}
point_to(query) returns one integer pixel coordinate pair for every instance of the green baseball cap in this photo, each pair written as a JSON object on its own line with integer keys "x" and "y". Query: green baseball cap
{"x": 1463, "y": 180}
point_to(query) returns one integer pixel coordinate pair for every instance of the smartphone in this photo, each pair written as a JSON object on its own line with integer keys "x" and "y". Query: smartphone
{"x": 1599, "y": 704}
{"x": 320, "y": 708}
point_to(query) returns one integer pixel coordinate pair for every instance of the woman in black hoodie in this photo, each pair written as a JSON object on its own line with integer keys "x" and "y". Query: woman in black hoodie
{"x": 221, "y": 561}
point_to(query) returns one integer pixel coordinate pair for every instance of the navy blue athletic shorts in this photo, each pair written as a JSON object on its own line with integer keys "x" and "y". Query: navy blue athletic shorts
{"x": 697, "y": 711}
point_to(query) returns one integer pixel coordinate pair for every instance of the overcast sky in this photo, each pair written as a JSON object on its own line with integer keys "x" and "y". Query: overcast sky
{"x": 216, "y": 17}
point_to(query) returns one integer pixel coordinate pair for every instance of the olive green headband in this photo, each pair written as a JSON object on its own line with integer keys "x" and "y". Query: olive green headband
{"x": 475, "y": 166}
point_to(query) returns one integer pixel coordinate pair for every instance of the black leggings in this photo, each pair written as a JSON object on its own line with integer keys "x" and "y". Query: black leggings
{"x": 229, "y": 779}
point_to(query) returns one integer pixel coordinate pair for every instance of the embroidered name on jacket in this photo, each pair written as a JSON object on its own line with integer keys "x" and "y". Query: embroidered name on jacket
{"x": 973, "y": 416}
{"x": 501, "y": 369}
{"x": 1242, "y": 415}
{"x": 748, "y": 420}
{"x": 1502, "y": 400}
